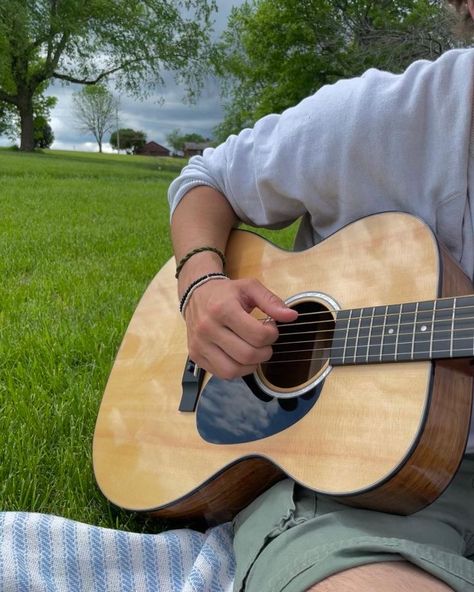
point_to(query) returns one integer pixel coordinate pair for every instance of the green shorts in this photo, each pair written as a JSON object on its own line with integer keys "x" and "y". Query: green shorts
{"x": 289, "y": 538}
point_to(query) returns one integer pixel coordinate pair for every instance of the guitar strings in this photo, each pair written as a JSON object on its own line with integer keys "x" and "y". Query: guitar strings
{"x": 346, "y": 330}
{"x": 427, "y": 335}
{"x": 389, "y": 324}
{"x": 281, "y": 347}
{"x": 367, "y": 355}
{"x": 377, "y": 316}
{"x": 432, "y": 324}
{"x": 363, "y": 345}
{"x": 360, "y": 358}
{"x": 357, "y": 356}
{"x": 399, "y": 343}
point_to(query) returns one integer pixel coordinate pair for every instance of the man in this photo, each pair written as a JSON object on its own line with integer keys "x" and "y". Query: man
{"x": 379, "y": 142}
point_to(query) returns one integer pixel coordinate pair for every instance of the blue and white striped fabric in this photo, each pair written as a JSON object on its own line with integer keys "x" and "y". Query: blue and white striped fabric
{"x": 43, "y": 553}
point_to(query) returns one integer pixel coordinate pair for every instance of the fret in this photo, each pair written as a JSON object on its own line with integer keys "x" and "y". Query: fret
{"x": 433, "y": 316}
{"x": 356, "y": 343}
{"x": 369, "y": 335}
{"x": 415, "y": 325}
{"x": 390, "y": 333}
{"x": 406, "y": 339}
{"x": 347, "y": 337}
{"x": 376, "y": 333}
{"x": 442, "y": 329}
{"x": 463, "y": 331}
{"x": 383, "y": 334}
{"x": 423, "y": 330}
{"x": 398, "y": 331}
{"x": 453, "y": 316}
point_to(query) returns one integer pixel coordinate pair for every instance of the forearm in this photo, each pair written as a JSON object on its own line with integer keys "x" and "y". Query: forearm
{"x": 223, "y": 337}
{"x": 203, "y": 218}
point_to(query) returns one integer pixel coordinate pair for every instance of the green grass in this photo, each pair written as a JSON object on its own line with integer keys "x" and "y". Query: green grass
{"x": 81, "y": 236}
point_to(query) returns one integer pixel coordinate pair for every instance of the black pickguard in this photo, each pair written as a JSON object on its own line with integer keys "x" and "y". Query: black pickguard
{"x": 237, "y": 411}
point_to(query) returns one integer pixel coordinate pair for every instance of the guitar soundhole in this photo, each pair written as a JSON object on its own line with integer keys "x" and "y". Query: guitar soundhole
{"x": 301, "y": 353}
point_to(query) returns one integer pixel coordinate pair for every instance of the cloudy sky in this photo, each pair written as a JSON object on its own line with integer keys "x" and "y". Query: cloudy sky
{"x": 157, "y": 119}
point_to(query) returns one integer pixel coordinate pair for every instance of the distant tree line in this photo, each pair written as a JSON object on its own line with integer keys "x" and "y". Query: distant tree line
{"x": 178, "y": 140}
{"x": 127, "y": 139}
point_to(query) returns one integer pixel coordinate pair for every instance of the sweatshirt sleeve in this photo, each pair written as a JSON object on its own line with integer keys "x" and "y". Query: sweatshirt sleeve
{"x": 360, "y": 146}
{"x": 243, "y": 169}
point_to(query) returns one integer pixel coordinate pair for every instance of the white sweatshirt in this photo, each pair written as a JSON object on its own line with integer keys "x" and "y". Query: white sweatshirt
{"x": 361, "y": 146}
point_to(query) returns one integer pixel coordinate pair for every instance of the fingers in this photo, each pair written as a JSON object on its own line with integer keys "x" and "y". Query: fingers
{"x": 223, "y": 337}
{"x": 254, "y": 294}
{"x": 219, "y": 363}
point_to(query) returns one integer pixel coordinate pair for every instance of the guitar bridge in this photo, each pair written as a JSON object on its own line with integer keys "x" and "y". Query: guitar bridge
{"x": 191, "y": 383}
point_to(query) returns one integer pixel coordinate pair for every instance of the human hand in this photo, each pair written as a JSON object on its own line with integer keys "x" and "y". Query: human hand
{"x": 223, "y": 337}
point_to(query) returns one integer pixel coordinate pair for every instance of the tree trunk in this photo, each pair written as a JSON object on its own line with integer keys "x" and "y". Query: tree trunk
{"x": 25, "y": 108}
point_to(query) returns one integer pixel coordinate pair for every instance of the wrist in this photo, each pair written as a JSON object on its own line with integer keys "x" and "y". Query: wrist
{"x": 196, "y": 251}
{"x": 200, "y": 265}
{"x": 196, "y": 284}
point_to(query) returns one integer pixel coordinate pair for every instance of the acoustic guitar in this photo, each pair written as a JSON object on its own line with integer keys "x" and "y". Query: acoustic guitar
{"x": 367, "y": 397}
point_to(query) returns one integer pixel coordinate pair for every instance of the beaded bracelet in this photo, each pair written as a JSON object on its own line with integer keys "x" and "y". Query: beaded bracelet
{"x": 194, "y": 285}
{"x": 195, "y": 252}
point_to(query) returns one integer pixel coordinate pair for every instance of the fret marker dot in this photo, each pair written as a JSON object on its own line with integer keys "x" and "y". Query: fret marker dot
{"x": 390, "y": 331}
{"x": 424, "y": 327}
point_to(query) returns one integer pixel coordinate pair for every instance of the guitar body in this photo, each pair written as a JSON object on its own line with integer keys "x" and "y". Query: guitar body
{"x": 386, "y": 436}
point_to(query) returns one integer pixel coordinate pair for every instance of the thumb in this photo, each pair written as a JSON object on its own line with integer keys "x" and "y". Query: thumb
{"x": 272, "y": 305}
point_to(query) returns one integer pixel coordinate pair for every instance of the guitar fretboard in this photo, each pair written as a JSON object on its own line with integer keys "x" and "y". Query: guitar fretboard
{"x": 433, "y": 329}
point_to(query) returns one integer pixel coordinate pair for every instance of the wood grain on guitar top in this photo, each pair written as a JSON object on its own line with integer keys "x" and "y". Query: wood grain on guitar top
{"x": 388, "y": 436}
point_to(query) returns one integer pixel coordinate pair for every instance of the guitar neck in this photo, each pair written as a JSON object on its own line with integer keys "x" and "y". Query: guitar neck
{"x": 427, "y": 330}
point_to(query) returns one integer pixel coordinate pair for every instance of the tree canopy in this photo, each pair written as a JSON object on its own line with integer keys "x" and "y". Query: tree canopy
{"x": 43, "y": 134}
{"x": 276, "y": 52}
{"x": 127, "y": 139}
{"x": 176, "y": 139}
{"x": 85, "y": 41}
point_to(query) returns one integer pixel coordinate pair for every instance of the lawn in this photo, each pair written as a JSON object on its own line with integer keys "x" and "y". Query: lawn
{"x": 81, "y": 236}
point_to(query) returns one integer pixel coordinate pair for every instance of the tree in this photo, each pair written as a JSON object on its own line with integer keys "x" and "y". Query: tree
{"x": 10, "y": 122}
{"x": 43, "y": 133}
{"x": 95, "y": 109}
{"x": 86, "y": 41}
{"x": 177, "y": 140}
{"x": 127, "y": 139}
{"x": 276, "y": 52}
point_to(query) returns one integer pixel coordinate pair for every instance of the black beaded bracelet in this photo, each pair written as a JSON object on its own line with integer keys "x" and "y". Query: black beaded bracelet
{"x": 195, "y": 284}
{"x": 195, "y": 252}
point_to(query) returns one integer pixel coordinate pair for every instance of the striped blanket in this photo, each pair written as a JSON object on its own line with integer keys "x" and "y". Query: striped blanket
{"x": 43, "y": 553}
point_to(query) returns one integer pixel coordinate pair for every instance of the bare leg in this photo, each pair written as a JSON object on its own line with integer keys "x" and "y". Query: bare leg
{"x": 399, "y": 576}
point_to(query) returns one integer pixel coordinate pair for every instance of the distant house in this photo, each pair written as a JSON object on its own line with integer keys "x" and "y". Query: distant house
{"x": 193, "y": 148}
{"x": 152, "y": 149}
